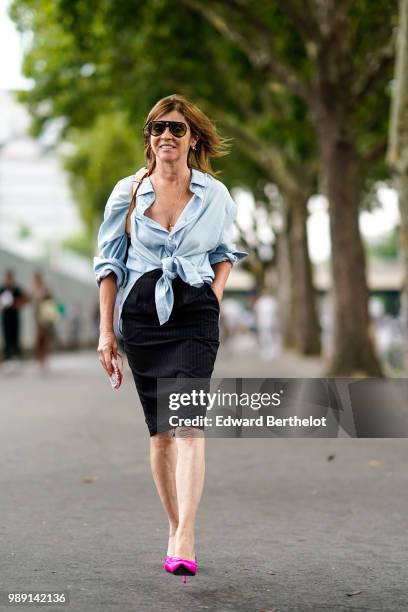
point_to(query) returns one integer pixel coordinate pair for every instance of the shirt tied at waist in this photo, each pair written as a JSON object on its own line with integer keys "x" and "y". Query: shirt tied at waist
{"x": 164, "y": 296}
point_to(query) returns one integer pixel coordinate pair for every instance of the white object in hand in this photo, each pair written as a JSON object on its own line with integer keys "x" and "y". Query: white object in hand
{"x": 6, "y": 299}
{"x": 117, "y": 376}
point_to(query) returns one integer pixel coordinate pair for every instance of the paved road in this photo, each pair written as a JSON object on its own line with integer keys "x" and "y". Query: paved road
{"x": 280, "y": 526}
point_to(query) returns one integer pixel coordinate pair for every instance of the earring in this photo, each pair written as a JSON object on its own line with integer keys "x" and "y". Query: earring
{"x": 193, "y": 147}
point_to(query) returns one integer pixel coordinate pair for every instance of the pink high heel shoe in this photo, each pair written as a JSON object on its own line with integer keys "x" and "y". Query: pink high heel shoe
{"x": 182, "y": 567}
{"x": 165, "y": 562}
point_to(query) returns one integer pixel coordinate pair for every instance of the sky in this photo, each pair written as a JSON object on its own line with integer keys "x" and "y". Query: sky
{"x": 372, "y": 225}
{"x": 11, "y": 49}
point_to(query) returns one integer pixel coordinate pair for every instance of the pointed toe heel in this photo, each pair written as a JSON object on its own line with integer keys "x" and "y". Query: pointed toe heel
{"x": 182, "y": 567}
{"x": 166, "y": 562}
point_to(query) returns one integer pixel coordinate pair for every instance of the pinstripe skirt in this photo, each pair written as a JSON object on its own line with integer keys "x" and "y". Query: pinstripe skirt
{"x": 185, "y": 346}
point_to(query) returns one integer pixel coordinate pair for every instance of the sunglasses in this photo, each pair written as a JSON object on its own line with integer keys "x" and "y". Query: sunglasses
{"x": 156, "y": 128}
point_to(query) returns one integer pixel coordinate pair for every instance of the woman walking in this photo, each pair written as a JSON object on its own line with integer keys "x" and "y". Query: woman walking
{"x": 170, "y": 270}
{"x": 46, "y": 316}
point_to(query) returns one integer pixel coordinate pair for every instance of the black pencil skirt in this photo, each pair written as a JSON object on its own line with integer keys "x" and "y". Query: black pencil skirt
{"x": 185, "y": 346}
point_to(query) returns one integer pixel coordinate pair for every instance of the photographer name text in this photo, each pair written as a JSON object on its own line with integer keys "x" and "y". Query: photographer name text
{"x": 259, "y": 421}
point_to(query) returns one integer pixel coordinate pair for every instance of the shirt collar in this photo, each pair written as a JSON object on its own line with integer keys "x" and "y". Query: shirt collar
{"x": 197, "y": 180}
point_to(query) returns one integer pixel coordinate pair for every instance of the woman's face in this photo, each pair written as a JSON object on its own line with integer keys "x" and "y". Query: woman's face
{"x": 167, "y": 147}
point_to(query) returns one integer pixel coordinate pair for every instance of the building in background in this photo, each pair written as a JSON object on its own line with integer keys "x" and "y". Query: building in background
{"x": 36, "y": 215}
{"x": 36, "y": 209}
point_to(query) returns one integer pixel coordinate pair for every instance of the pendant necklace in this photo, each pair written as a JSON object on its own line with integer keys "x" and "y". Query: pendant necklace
{"x": 170, "y": 226}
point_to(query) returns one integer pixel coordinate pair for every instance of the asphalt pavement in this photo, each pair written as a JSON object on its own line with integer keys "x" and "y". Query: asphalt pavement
{"x": 290, "y": 525}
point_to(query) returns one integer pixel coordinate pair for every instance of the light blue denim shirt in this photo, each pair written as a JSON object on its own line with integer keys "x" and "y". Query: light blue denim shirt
{"x": 201, "y": 237}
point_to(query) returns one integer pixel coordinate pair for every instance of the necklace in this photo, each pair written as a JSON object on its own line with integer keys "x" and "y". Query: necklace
{"x": 170, "y": 226}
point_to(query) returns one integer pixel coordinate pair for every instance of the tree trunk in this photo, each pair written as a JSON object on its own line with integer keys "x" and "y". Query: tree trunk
{"x": 284, "y": 289}
{"x": 258, "y": 270}
{"x": 402, "y": 185}
{"x": 306, "y": 325}
{"x": 398, "y": 149}
{"x": 354, "y": 352}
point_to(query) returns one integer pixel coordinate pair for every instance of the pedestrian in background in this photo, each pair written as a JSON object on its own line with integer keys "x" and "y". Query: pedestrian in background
{"x": 12, "y": 299}
{"x": 46, "y": 316}
{"x": 267, "y": 323}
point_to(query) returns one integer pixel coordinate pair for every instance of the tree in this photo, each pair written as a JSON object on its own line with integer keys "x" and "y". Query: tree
{"x": 271, "y": 72}
{"x": 398, "y": 144}
{"x": 99, "y": 157}
{"x": 83, "y": 59}
{"x": 338, "y": 57}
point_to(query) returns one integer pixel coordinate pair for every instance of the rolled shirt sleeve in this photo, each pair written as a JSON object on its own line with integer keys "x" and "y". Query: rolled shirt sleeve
{"x": 227, "y": 250}
{"x": 112, "y": 237}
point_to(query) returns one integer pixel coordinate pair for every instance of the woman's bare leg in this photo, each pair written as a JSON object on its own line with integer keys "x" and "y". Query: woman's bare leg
{"x": 163, "y": 460}
{"x": 178, "y": 468}
{"x": 190, "y": 474}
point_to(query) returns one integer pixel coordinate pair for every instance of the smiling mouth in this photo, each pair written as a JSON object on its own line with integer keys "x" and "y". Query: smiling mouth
{"x": 167, "y": 147}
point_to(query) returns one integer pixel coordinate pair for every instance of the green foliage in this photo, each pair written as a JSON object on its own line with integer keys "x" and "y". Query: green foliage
{"x": 89, "y": 60}
{"x": 387, "y": 247}
{"x": 102, "y": 65}
{"x": 24, "y": 231}
{"x": 103, "y": 154}
{"x": 80, "y": 244}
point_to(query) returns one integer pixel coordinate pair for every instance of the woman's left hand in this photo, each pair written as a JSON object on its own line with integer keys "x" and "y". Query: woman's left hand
{"x": 219, "y": 291}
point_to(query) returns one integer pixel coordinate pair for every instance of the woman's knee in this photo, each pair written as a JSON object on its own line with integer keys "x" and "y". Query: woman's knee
{"x": 163, "y": 438}
{"x": 185, "y": 432}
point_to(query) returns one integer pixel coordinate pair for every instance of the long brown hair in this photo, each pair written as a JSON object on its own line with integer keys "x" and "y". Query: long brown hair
{"x": 210, "y": 143}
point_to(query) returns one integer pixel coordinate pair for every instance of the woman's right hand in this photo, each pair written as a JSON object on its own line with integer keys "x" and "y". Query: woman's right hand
{"x": 107, "y": 346}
